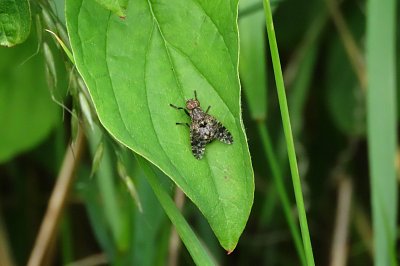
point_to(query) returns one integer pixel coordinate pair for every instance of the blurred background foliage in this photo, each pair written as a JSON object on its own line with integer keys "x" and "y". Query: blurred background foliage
{"x": 102, "y": 221}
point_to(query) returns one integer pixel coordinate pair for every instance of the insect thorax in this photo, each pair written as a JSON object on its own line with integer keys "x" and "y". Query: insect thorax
{"x": 197, "y": 114}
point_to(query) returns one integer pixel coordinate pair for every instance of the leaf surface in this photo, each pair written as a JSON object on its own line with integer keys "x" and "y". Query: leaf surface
{"x": 27, "y": 113}
{"x": 15, "y": 22}
{"x": 116, "y": 6}
{"x": 159, "y": 54}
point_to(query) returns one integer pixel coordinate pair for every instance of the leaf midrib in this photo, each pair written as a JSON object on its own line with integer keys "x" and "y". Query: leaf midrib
{"x": 180, "y": 88}
{"x": 148, "y": 109}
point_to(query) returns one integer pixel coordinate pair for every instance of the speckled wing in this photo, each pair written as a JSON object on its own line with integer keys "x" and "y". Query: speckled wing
{"x": 197, "y": 141}
{"x": 205, "y": 131}
{"x": 222, "y": 134}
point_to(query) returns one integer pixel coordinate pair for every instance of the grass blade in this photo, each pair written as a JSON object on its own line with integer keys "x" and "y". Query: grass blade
{"x": 192, "y": 243}
{"x": 280, "y": 186}
{"x": 288, "y": 133}
{"x": 381, "y": 125}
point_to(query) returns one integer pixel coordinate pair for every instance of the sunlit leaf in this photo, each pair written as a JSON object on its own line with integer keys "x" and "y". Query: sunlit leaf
{"x": 159, "y": 54}
{"x": 15, "y": 22}
{"x": 116, "y": 6}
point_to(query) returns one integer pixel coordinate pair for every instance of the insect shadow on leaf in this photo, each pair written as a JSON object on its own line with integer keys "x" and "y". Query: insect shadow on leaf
{"x": 204, "y": 128}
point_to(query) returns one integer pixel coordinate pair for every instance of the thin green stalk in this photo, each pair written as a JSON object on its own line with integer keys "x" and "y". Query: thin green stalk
{"x": 381, "y": 126}
{"x": 66, "y": 239}
{"x": 196, "y": 249}
{"x": 104, "y": 177}
{"x": 105, "y": 180}
{"x": 288, "y": 133}
{"x": 278, "y": 180}
{"x": 268, "y": 206}
{"x": 63, "y": 46}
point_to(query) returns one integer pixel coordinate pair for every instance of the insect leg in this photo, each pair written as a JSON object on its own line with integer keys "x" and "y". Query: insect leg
{"x": 183, "y": 124}
{"x": 180, "y": 108}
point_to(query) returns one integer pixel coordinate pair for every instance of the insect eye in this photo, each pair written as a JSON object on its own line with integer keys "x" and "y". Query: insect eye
{"x": 191, "y": 104}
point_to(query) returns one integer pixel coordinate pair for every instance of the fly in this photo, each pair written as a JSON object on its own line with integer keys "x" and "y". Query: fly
{"x": 204, "y": 128}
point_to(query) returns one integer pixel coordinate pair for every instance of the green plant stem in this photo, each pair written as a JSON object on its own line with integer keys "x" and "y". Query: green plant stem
{"x": 279, "y": 184}
{"x": 268, "y": 206}
{"x": 189, "y": 238}
{"x": 382, "y": 125}
{"x": 63, "y": 46}
{"x": 288, "y": 134}
{"x": 105, "y": 176}
{"x": 66, "y": 239}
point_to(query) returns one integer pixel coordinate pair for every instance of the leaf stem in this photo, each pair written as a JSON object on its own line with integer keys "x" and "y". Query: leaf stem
{"x": 288, "y": 134}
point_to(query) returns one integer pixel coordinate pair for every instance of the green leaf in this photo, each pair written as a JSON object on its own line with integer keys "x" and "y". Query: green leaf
{"x": 151, "y": 226}
{"x": 159, "y": 54}
{"x": 253, "y": 71}
{"x": 109, "y": 205}
{"x": 15, "y": 22}
{"x": 382, "y": 126}
{"x": 189, "y": 238}
{"x": 27, "y": 113}
{"x": 107, "y": 180}
{"x": 88, "y": 189}
{"x": 116, "y": 6}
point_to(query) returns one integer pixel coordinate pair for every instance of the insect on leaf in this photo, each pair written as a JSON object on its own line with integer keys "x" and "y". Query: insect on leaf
{"x": 204, "y": 128}
{"x": 159, "y": 54}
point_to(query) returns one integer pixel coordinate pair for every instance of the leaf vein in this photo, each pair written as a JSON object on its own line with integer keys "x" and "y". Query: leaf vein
{"x": 180, "y": 87}
{"x": 109, "y": 75}
{"x": 150, "y": 115}
{"x": 218, "y": 30}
